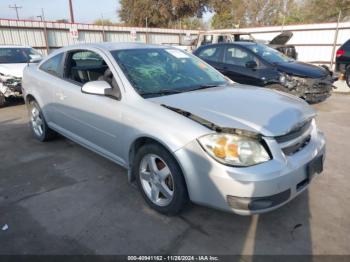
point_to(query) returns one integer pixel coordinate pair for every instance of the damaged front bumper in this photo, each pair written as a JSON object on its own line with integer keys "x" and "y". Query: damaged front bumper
{"x": 11, "y": 86}
{"x": 250, "y": 190}
{"x": 313, "y": 90}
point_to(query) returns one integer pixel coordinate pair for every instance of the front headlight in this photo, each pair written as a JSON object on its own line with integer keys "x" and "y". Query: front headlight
{"x": 235, "y": 150}
{"x": 289, "y": 81}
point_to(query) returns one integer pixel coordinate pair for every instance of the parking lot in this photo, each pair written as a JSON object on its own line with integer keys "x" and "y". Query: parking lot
{"x": 59, "y": 198}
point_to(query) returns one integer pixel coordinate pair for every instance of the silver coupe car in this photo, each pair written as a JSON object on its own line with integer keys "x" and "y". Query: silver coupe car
{"x": 183, "y": 130}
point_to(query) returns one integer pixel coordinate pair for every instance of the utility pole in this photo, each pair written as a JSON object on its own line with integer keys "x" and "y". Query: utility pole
{"x": 71, "y": 11}
{"x": 103, "y": 29}
{"x": 335, "y": 40}
{"x": 42, "y": 18}
{"x": 16, "y": 7}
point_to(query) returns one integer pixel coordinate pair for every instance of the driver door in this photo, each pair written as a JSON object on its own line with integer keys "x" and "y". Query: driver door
{"x": 85, "y": 117}
{"x": 235, "y": 60}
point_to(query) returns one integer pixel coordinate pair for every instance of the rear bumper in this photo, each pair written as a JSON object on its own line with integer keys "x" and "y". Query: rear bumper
{"x": 250, "y": 190}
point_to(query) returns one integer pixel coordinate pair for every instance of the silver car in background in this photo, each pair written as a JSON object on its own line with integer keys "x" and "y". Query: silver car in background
{"x": 181, "y": 128}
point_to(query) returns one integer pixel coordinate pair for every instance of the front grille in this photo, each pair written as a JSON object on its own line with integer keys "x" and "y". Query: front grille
{"x": 291, "y": 150}
{"x": 296, "y": 139}
{"x": 294, "y": 133}
{"x": 321, "y": 85}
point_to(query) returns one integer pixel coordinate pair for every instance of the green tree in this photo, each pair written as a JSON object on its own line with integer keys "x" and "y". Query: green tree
{"x": 228, "y": 13}
{"x": 315, "y": 11}
{"x": 240, "y": 13}
{"x": 193, "y": 23}
{"x": 160, "y": 13}
{"x": 103, "y": 22}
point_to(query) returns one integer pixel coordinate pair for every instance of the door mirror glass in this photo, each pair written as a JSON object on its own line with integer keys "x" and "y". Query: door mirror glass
{"x": 251, "y": 64}
{"x": 98, "y": 87}
{"x": 35, "y": 58}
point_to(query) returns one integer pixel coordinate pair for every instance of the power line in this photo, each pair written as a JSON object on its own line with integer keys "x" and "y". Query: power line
{"x": 16, "y": 7}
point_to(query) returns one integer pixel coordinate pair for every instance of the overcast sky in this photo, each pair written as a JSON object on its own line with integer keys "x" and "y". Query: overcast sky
{"x": 85, "y": 11}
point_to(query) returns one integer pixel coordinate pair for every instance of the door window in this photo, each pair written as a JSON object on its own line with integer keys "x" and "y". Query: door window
{"x": 207, "y": 39}
{"x": 210, "y": 53}
{"x": 238, "y": 56}
{"x": 84, "y": 66}
{"x": 53, "y": 65}
{"x": 223, "y": 39}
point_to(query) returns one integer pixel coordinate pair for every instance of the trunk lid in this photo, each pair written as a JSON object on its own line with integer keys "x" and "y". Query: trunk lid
{"x": 282, "y": 38}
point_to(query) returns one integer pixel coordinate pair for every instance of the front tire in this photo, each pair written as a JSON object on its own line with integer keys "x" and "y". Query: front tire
{"x": 2, "y": 100}
{"x": 160, "y": 179}
{"x": 38, "y": 123}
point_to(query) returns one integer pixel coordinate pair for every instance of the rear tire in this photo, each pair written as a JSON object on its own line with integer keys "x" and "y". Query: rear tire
{"x": 38, "y": 123}
{"x": 160, "y": 179}
{"x": 2, "y": 100}
{"x": 347, "y": 76}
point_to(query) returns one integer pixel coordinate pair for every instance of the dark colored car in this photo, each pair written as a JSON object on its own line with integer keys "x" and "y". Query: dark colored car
{"x": 343, "y": 61}
{"x": 259, "y": 65}
{"x": 216, "y": 36}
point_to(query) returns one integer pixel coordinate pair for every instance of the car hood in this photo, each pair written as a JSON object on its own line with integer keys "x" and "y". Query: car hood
{"x": 12, "y": 69}
{"x": 302, "y": 69}
{"x": 254, "y": 109}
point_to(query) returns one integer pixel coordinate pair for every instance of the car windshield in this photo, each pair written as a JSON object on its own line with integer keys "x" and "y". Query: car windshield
{"x": 158, "y": 71}
{"x": 269, "y": 54}
{"x": 17, "y": 55}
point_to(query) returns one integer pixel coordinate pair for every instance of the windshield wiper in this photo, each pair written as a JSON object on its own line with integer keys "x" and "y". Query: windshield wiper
{"x": 200, "y": 87}
{"x": 161, "y": 92}
{"x": 175, "y": 91}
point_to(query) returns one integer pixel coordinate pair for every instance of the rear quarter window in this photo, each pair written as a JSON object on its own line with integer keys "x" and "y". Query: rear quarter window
{"x": 210, "y": 54}
{"x": 53, "y": 65}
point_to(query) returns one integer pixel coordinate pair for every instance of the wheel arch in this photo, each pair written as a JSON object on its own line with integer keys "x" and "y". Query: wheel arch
{"x": 29, "y": 98}
{"x": 143, "y": 140}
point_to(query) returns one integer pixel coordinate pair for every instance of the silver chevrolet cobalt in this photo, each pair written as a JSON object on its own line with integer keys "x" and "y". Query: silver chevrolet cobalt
{"x": 183, "y": 130}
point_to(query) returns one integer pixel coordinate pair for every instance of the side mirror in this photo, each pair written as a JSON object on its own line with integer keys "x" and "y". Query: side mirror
{"x": 98, "y": 87}
{"x": 35, "y": 58}
{"x": 251, "y": 64}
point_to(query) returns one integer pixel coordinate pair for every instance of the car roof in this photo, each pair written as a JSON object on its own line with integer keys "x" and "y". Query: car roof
{"x": 346, "y": 45}
{"x": 110, "y": 46}
{"x": 15, "y": 46}
{"x": 243, "y": 43}
{"x": 239, "y": 43}
{"x": 224, "y": 31}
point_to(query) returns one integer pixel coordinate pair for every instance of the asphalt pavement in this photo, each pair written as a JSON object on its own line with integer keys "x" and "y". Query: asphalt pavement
{"x": 59, "y": 198}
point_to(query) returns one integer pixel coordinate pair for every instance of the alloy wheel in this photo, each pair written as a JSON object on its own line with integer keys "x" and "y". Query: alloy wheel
{"x": 156, "y": 180}
{"x": 37, "y": 121}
